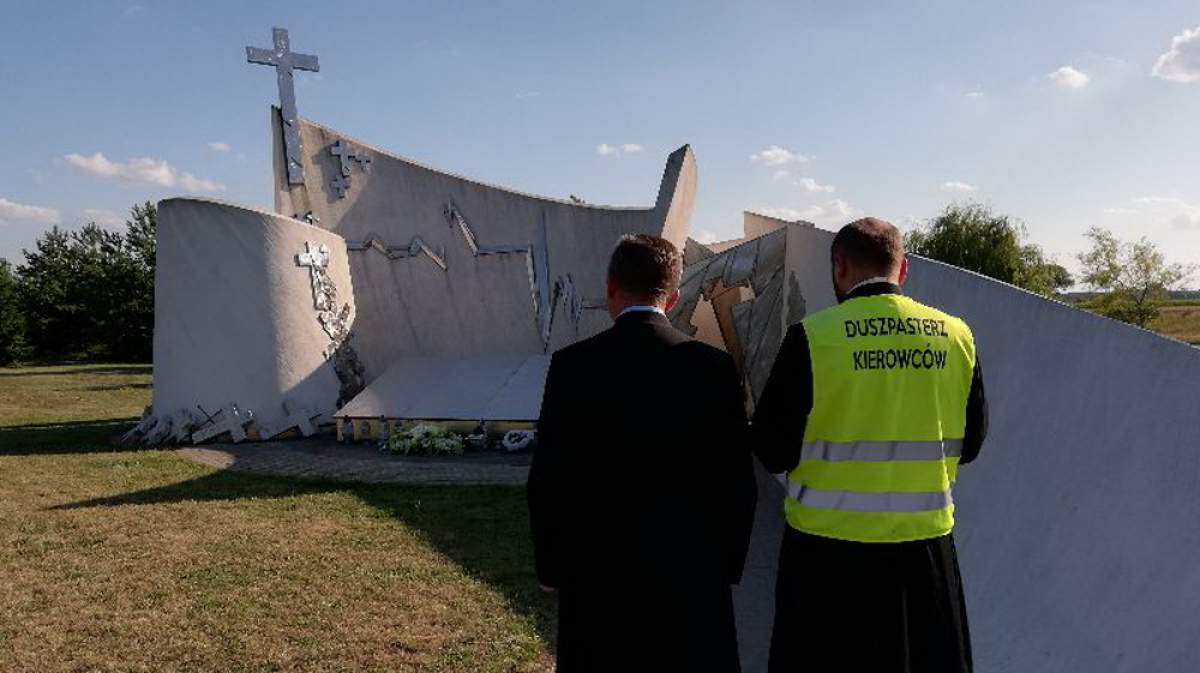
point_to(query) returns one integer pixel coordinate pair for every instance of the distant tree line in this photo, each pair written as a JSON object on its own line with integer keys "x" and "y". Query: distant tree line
{"x": 1129, "y": 281}
{"x": 85, "y": 295}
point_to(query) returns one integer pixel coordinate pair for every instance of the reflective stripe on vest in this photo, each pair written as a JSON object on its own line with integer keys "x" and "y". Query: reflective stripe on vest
{"x": 857, "y": 501}
{"x": 881, "y": 451}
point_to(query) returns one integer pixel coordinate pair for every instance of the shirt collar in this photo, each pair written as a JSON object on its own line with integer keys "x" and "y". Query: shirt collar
{"x": 869, "y": 281}
{"x": 872, "y": 287}
{"x": 641, "y": 309}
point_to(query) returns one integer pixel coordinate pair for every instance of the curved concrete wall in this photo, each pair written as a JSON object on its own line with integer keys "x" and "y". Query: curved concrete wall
{"x": 1077, "y": 526}
{"x": 477, "y": 303}
{"x": 234, "y": 315}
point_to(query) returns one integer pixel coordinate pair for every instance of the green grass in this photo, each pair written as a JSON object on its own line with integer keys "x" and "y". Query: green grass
{"x": 141, "y": 561}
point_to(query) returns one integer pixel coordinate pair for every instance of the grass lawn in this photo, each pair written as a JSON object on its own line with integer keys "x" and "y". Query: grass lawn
{"x": 1179, "y": 319}
{"x": 141, "y": 561}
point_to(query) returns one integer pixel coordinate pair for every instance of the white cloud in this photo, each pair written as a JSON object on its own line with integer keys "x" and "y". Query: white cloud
{"x": 782, "y": 174}
{"x": 789, "y": 214}
{"x": 220, "y": 147}
{"x": 1178, "y": 213}
{"x": 974, "y": 94}
{"x": 778, "y": 156}
{"x": 103, "y": 217}
{"x": 606, "y": 150}
{"x": 11, "y": 211}
{"x": 134, "y": 10}
{"x": 707, "y": 237}
{"x": 836, "y": 212}
{"x": 1186, "y": 221}
{"x": 957, "y": 186}
{"x": 1069, "y": 78}
{"x": 1160, "y": 203}
{"x": 526, "y": 95}
{"x": 1181, "y": 63}
{"x": 142, "y": 170}
{"x": 812, "y": 186}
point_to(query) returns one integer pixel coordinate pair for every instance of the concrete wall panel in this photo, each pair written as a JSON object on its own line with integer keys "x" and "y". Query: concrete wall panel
{"x": 234, "y": 318}
{"x": 478, "y": 304}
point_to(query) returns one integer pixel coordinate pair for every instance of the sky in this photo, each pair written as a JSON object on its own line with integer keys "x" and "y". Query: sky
{"x": 1065, "y": 115}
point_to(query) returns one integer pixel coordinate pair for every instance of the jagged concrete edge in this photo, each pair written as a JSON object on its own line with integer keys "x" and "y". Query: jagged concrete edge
{"x": 668, "y": 173}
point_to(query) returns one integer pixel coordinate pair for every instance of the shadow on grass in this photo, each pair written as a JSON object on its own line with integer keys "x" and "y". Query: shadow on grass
{"x": 119, "y": 386}
{"x": 483, "y": 529}
{"x": 62, "y": 438}
{"x": 75, "y": 370}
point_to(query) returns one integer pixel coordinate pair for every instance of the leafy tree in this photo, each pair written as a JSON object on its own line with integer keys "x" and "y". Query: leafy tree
{"x": 972, "y": 237}
{"x": 1132, "y": 279}
{"x": 89, "y": 294}
{"x": 45, "y": 295}
{"x": 132, "y": 285}
{"x": 12, "y": 323}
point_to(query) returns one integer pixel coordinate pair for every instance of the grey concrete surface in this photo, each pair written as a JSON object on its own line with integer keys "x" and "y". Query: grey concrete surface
{"x": 754, "y": 598}
{"x": 470, "y": 388}
{"x": 234, "y": 317}
{"x": 478, "y": 303}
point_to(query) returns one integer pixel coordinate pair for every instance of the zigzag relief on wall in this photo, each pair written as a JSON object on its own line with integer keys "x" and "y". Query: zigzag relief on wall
{"x": 544, "y": 294}
{"x": 416, "y": 247}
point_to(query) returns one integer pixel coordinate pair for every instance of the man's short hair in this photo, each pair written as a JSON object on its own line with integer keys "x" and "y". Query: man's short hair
{"x": 646, "y": 267}
{"x": 871, "y": 244}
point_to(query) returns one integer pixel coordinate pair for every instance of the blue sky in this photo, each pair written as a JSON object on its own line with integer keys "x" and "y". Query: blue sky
{"x": 1048, "y": 111}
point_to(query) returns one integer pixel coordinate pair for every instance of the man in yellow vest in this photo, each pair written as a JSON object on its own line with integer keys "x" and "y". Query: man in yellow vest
{"x": 870, "y": 408}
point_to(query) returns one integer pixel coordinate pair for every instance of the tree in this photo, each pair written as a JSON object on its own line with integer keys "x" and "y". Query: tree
{"x": 1132, "y": 279}
{"x": 971, "y": 236}
{"x": 45, "y": 295}
{"x": 12, "y": 324}
{"x": 89, "y": 294}
{"x": 132, "y": 283}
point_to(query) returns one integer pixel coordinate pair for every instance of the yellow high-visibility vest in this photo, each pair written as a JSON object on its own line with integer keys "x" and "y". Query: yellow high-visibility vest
{"x": 891, "y": 378}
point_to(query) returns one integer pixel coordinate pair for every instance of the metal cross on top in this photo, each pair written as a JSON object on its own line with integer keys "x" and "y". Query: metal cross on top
{"x": 285, "y": 61}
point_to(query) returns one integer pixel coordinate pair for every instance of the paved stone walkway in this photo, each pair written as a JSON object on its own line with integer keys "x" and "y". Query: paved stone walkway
{"x": 327, "y": 459}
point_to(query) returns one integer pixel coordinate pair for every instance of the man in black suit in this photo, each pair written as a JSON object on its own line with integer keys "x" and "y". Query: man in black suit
{"x": 642, "y": 493}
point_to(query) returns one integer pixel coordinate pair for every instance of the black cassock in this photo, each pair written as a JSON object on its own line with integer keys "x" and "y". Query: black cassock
{"x": 641, "y": 499}
{"x": 852, "y": 606}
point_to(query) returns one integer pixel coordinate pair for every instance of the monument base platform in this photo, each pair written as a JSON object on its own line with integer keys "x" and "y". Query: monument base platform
{"x": 501, "y": 392}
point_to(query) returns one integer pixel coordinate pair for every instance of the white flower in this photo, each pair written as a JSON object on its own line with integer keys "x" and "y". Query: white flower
{"x": 517, "y": 440}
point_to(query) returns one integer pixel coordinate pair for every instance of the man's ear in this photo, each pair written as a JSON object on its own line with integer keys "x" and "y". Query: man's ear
{"x": 672, "y": 301}
{"x": 612, "y": 287}
{"x": 838, "y": 262}
{"x": 903, "y": 270}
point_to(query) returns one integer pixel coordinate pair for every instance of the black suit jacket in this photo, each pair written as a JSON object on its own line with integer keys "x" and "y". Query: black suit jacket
{"x": 642, "y": 475}
{"x": 641, "y": 498}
